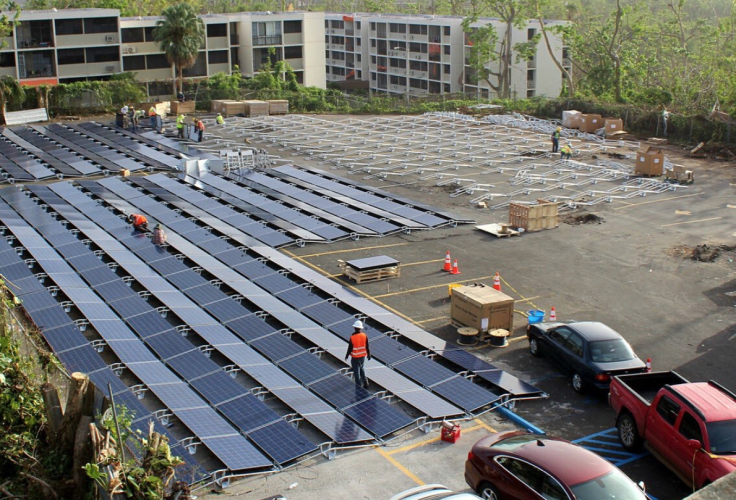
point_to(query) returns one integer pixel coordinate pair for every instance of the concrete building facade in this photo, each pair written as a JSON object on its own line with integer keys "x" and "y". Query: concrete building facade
{"x": 392, "y": 54}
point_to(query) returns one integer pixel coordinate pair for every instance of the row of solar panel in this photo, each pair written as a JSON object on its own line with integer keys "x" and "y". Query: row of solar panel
{"x": 424, "y": 371}
{"x": 182, "y": 197}
{"x": 226, "y": 311}
{"x": 41, "y": 307}
{"x": 178, "y": 397}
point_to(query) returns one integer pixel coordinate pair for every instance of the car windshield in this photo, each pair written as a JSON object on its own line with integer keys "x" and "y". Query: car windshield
{"x": 513, "y": 442}
{"x": 610, "y": 351}
{"x": 611, "y": 486}
{"x": 722, "y": 436}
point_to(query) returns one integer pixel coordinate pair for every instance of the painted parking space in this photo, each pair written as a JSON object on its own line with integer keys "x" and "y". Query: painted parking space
{"x": 607, "y": 445}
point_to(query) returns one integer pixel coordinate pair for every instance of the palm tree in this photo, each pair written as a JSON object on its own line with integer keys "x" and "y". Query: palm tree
{"x": 180, "y": 34}
{"x": 10, "y": 91}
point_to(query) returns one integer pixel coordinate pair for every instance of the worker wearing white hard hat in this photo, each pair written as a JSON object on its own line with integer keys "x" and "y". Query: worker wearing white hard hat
{"x": 358, "y": 350}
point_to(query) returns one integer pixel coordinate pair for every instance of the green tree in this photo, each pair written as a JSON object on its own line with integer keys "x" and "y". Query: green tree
{"x": 179, "y": 35}
{"x": 11, "y": 92}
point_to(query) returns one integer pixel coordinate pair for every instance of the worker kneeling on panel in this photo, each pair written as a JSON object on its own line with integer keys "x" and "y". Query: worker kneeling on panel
{"x": 139, "y": 222}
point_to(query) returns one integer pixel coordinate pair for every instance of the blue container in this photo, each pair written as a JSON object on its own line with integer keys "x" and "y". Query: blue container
{"x": 535, "y": 316}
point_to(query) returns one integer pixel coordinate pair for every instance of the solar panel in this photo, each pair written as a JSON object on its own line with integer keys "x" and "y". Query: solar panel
{"x": 178, "y": 396}
{"x": 247, "y": 412}
{"x": 192, "y": 364}
{"x": 389, "y": 350}
{"x": 82, "y": 359}
{"x": 64, "y": 337}
{"x": 378, "y": 418}
{"x": 509, "y": 383}
{"x": 276, "y": 347}
{"x": 341, "y": 429}
{"x": 236, "y": 453}
{"x": 250, "y": 327}
{"x": 327, "y": 314}
{"x": 340, "y": 391}
{"x": 306, "y": 368}
{"x": 465, "y": 394}
{"x": 423, "y": 370}
{"x": 130, "y": 351}
{"x": 217, "y": 387}
{"x": 282, "y": 442}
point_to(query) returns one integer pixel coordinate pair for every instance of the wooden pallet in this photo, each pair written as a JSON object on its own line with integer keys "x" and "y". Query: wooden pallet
{"x": 495, "y": 230}
{"x": 379, "y": 274}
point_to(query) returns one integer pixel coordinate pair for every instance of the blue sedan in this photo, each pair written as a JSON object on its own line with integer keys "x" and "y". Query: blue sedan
{"x": 587, "y": 351}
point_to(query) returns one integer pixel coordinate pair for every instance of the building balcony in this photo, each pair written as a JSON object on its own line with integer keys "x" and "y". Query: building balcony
{"x": 89, "y": 69}
{"x": 267, "y": 40}
{"x": 219, "y": 42}
{"x": 33, "y": 43}
{"x": 89, "y": 40}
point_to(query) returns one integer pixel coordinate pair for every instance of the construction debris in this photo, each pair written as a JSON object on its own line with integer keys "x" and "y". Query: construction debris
{"x": 576, "y": 220}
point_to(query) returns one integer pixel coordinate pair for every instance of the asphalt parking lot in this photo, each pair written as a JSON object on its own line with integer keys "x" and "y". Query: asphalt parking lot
{"x": 627, "y": 272}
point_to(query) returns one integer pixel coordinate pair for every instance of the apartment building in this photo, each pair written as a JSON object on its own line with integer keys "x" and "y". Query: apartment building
{"x": 417, "y": 55}
{"x": 539, "y": 76}
{"x": 49, "y": 47}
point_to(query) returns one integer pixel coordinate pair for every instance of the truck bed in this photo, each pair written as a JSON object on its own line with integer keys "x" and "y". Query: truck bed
{"x": 647, "y": 385}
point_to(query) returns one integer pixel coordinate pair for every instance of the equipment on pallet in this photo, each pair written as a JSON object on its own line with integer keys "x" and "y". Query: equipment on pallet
{"x": 371, "y": 269}
{"x": 481, "y": 307}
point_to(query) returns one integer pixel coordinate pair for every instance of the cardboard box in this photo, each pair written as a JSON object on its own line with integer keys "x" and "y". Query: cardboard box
{"x": 571, "y": 119}
{"x": 591, "y": 123}
{"x": 278, "y": 107}
{"x": 614, "y": 125}
{"x": 182, "y": 107}
{"x": 649, "y": 161}
{"x": 483, "y": 308}
{"x": 256, "y": 108}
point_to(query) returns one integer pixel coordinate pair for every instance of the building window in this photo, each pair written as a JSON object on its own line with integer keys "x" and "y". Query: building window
{"x": 134, "y": 63}
{"x": 69, "y": 27}
{"x": 7, "y": 60}
{"x": 70, "y": 56}
{"x": 327, "y": 23}
{"x": 131, "y": 35}
{"x": 149, "y": 33}
{"x": 397, "y": 28}
{"x": 293, "y": 26}
{"x": 217, "y": 57}
{"x": 157, "y": 61}
{"x": 295, "y": 52}
{"x": 357, "y": 25}
{"x": 530, "y": 33}
{"x": 447, "y": 50}
{"x": 446, "y": 30}
{"x": 267, "y": 33}
{"x": 381, "y": 32}
{"x": 373, "y": 43}
{"x": 359, "y": 57}
{"x": 299, "y": 77}
{"x": 447, "y": 88}
{"x": 418, "y": 29}
{"x": 101, "y": 25}
{"x": 338, "y": 25}
{"x": 216, "y": 30}
{"x": 373, "y": 28}
{"x": 373, "y": 59}
{"x": 338, "y": 40}
{"x": 446, "y": 68}
{"x": 340, "y": 56}
{"x": 103, "y": 54}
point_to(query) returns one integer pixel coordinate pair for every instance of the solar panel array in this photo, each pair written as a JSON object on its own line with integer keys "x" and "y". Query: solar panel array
{"x": 203, "y": 328}
{"x": 37, "y": 152}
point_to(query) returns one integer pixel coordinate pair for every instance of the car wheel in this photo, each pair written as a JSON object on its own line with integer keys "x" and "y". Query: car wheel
{"x": 577, "y": 383}
{"x": 534, "y": 348}
{"x": 487, "y": 492}
{"x": 628, "y": 434}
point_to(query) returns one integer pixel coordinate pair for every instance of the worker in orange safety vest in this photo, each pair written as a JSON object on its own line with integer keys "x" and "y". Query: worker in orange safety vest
{"x": 358, "y": 350}
{"x": 139, "y": 222}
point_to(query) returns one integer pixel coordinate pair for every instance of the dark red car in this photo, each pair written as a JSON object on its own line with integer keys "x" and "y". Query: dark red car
{"x": 521, "y": 466}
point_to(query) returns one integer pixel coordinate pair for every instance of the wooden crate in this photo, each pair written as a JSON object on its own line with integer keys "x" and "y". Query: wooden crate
{"x": 533, "y": 217}
{"x": 278, "y": 107}
{"x": 215, "y": 105}
{"x": 256, "y": 108}
{"x": 383, "y": 273}
{"x": 182, "y": 107}
{"x": 230, "y": 108}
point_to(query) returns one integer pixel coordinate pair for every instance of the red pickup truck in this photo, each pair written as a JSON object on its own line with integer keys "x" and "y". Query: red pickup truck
{"x": 690, "y": 427}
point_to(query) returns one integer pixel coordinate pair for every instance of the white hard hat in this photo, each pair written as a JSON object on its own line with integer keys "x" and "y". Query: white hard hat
{"x": 358, "y": 324}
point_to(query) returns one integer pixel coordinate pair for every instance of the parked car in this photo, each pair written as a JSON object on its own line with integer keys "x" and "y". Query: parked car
{"x": 588, "y": 351}
{"x": 433, "y": 492}
{"x": 518, "y": 465}
{"x": 690, "y": 427}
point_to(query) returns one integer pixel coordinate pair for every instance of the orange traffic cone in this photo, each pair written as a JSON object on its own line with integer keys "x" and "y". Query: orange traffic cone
{"x": 497, "y": 282}
{"x": 448, "y": 263}
{"x": 553, "y": 314}
{"x": 455, "y": 270}
{"x": 649, "y": 364}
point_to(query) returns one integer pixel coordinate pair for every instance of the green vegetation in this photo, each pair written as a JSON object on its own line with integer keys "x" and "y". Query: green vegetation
{"x": 179, "y": 35}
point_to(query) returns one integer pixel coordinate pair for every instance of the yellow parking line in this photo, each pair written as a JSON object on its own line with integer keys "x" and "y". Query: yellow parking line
{"x": 485, "y": 426}
{"x": 690, "y": 221}
{"x": 353, "y": 250}
{"x": 529, "y": 299}
{"x": 430, "y": 441}
{"x": 659, "y": 200}
{"x": 422, "y": 262}
{"x": 524, "y": 299}
{"x": 396, "y": 464}
{"x": 430, "y": 320}
{"x": 412, "y": 290}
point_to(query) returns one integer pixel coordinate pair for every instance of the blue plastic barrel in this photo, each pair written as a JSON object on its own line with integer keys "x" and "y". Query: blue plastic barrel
{"x": 535, "y": 316}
